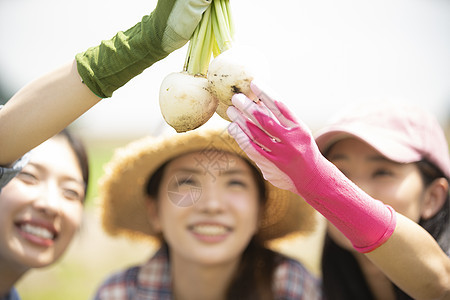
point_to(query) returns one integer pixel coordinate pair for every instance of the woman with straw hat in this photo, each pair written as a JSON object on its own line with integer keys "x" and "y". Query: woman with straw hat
{"x": 42, "y": 193}
{"x": 391, "y": 219}
{"x": 199, "y": 196}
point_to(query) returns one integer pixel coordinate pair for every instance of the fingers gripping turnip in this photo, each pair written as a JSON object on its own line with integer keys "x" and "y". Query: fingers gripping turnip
{"x": 232, "y": 72}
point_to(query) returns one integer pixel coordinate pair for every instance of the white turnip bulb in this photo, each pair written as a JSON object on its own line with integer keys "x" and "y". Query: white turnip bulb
{"x": 185, "y": 101}
{"x": 221, "y": 110}
{"x": 232, "y": 71}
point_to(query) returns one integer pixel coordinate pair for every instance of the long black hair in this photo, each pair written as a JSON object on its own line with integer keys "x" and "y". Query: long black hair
{"x": 341, "y": 275}
{"x": 438, "y": 225}
{"x": 80, "y": 152}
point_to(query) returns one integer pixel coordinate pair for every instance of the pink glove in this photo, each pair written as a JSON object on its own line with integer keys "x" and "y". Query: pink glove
{"x": 285, "y": 151}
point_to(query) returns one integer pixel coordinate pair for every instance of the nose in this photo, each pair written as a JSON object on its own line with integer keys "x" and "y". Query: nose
{"x": 211, "y": 201}
{"x": 49, "y": 199}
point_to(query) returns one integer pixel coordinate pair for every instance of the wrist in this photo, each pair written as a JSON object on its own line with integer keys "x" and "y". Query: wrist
{"x": 114, "y": 62}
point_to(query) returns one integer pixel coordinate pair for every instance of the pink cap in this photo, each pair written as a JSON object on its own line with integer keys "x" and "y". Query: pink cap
{"x": 402, "y": 133}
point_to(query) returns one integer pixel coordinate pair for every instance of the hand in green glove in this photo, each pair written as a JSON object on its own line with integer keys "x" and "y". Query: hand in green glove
{"x": 110, "y": 65}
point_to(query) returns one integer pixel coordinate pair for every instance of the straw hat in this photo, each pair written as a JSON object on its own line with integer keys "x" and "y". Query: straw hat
{"x": 122, "y": 188}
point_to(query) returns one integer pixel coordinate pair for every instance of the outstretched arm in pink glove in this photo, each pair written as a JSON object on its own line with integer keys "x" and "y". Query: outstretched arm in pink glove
{"x": 287, "y": 155}
{"x": 289, "y": 158}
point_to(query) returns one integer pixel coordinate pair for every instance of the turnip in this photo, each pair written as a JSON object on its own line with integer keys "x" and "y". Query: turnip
{"x": 185, "y": 101}
{"x": 232, "y": 71}
{"x": 184, "y": 98}
{"x": 221, "y": 110}
{"x": 189, "y": 99}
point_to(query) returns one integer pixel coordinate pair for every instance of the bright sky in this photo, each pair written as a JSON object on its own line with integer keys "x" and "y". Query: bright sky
{"x": 323, "y": 54}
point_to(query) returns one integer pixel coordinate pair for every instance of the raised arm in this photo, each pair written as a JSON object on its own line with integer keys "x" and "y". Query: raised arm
{"x": 41, "y": 109}
{"x": 48, "y": 104}
{"x": 286, "y": 153}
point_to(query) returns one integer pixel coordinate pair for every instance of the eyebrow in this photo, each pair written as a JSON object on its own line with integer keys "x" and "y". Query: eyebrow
{"x": 189, "y": 170}
{"x": 201, "y": 170}
{"x": 234, "y": 172}
{"x": 374, "y": 158}
{"x": 379, "y": 158}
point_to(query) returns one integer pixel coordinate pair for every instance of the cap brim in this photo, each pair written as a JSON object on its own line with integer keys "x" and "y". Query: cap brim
{"x": 386, "y": 142}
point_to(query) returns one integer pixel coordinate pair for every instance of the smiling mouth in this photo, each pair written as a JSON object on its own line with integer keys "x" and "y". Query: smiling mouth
{"x": 210, "y": 230}
{"x": 38, "y": 231}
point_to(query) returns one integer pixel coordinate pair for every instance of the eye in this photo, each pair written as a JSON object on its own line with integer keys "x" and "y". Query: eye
{"x": 28, "y": 177}
{"x": 383, "y": 172}
{"x": 237, "y": 183}
{"x": 73, "y": 190}
{"x": 188, "y": 181}
{"x": 185, "y": 181}
{"x": 72, "y": 194}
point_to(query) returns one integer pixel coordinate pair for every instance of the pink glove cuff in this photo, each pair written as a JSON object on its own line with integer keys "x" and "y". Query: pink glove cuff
{"x": 365, "y": 221}
{"x": 390, "y": 227}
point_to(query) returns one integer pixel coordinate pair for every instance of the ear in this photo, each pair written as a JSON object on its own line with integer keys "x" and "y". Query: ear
{"x": 152, "y": 213}
{"x": 435, "y": 196}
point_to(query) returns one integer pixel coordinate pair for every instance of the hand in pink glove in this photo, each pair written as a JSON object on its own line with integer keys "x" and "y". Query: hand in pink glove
{"x": 285, "y": 151}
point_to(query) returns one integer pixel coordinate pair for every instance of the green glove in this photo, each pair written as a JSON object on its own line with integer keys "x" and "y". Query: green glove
{"x": 110, "y": 65}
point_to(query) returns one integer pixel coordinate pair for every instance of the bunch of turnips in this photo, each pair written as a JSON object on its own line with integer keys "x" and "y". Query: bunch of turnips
{"x": 188, "y": 99}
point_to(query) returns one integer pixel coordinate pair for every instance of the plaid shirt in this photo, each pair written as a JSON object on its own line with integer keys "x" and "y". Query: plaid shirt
{"x": 12, "y": 295}
{"x": 6, "y": 174}
{"x": 153, "y": 281}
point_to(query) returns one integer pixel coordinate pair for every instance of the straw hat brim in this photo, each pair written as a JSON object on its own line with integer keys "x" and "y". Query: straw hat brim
{"x": 122, "y": 188}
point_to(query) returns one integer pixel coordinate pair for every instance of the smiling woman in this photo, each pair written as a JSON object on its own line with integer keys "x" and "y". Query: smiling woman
{"x": 41, "y": 208}
{"x": 212, "y": 246}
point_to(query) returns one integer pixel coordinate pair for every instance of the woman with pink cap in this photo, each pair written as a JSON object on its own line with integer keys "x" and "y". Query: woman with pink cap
{"x": 379, "y": 175}
{"x": 399, "y": 155}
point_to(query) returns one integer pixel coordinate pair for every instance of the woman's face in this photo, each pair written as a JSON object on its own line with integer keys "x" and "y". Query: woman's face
{"x": 208, "y": 207}
{"x": 41, "y": 208}
{"x": 398, "y": 185}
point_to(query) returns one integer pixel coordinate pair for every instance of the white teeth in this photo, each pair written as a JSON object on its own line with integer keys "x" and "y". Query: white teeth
{"x": 210, "y": 229}
{"x": 37, "y": 231}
